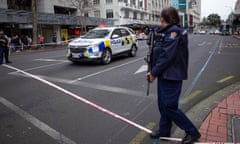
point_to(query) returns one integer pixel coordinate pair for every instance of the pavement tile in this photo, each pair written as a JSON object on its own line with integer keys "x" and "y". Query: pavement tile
{"x": 238, "y": 112}
{"x": 222, "y": 130}
{"x": 215, "y": 126}
{"x": 231, "y": 111}
{"x": 223, "y": 104}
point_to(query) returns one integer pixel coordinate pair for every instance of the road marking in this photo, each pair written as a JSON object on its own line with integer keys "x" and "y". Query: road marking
{"x": 141, "y": 135}
{"x": 194, "y": 82}
{"x": 220, "y": 48}
{"x": 51, "y": 60}
{"x": 143, "y": 68}
{"x": 192, "y": 96}
{"x": 106, "y": 70}
{"x": 225, "y": 79}
{"x": 93, "y": 86}
{"x": 81, "y": 99}
{"x": 60, "y": 138}
{"x": 35, "y": 68}
{"x": 202, "y": 44}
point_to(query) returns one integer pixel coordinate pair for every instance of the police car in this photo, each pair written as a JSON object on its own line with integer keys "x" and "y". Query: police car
{"x": 102, "y": 44}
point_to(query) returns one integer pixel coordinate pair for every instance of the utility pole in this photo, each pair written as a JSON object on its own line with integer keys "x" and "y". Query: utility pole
{"x": 34, "y": 23}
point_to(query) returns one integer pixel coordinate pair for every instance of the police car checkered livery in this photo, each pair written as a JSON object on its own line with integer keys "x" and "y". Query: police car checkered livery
{"x": 101, "y": 44}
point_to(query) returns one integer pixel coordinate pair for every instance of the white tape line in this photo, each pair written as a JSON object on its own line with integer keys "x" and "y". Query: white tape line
{"x": 171, "y": 139}
{"x": 60, "y": 138}
{"x": 45, "y": 44}
{"x": 81, "y": 99}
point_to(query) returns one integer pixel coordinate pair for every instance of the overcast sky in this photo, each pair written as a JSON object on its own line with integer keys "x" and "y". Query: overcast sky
{"x": 221, "y": 7}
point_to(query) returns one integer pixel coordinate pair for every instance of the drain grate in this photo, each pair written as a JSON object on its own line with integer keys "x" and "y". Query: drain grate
{"x": 236, "y": 128}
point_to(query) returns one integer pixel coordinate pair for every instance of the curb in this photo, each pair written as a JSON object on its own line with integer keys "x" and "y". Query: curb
{"x": 236, "y": 36}
{"x": 200, "y": 111}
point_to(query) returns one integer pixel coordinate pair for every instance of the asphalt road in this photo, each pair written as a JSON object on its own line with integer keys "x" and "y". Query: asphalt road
{"x": 33, "y": 112}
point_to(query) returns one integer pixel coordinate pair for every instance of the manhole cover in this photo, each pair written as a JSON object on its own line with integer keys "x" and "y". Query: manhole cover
{"x": 236, "y": 129}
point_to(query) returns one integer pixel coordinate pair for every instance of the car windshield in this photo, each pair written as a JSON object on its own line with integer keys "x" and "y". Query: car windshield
{"x": 94, "y": 34}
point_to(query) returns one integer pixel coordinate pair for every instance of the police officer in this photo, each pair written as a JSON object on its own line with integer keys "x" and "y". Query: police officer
{"x": 3, "y": 45}
{"x": 170, "y": 66}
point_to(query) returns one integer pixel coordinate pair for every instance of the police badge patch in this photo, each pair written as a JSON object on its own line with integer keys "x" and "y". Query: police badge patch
{"x": 173, "y": 35}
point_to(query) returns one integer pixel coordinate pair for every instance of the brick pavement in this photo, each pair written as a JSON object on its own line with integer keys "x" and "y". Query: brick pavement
{"x": 215, "y": 126}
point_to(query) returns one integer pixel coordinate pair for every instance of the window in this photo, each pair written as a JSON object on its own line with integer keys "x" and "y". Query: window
{"x": 141, "y": 4}
{"x": 126, "y": 13}
{"x": 134, "y": 2}
{"x": 109, "y": 13}
{"x": 19, "y": 4}
{"x": 96, "y": 2}
{"x": 142, "y": 16}
{"x": 117, "y": 32}
{"x": 124, "y": 32}
{"x": 86, "y": 14}
{"x": 134, "y": 15}
{"x": 64, "y": 10}
{"x": 109, "y": 1}
{"x": 94, "y": 34}
{"x": 97, "y": 13}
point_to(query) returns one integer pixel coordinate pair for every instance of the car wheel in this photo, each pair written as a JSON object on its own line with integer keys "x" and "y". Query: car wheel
{"x": 106, "y": 56}
{"x": 133, "y": 51}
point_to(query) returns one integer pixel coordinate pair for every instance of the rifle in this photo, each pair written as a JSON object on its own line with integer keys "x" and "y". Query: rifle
{"x": 148, "y": 58}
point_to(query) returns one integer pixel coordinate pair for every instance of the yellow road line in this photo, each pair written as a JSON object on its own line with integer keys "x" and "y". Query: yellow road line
{"x": 225, "y": 79}
{"x": 141, "y": 135}
{"x": 192, "y": 95}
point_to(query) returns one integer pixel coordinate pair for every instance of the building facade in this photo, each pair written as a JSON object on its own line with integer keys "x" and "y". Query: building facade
{"x": 189, "y": 11}
{"x": 55, "y": 17}
{"x": 234, "y": 18}
{"x": 194, "y": 14}
{"x": 62, "y": 18}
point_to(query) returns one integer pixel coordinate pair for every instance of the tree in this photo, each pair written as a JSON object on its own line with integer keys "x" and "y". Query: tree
{"x": 34, "y": 23}
{"x": 83, "y": 6}
{"x": 214, "y": 19}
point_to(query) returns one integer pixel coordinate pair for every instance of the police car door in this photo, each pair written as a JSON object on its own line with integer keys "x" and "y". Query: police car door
{"x": 126, "y": 42}
{"x": 116, "y": 41}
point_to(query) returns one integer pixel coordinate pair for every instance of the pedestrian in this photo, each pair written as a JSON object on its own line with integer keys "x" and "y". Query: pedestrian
{"x": 29, "y": 41}
{"x": 6, "y": 50}
{"x": 41, "y": 40}
{"x": 24, "y": 41}
{"x": 170, "y": 66}
{"x": 15, "y": 43}
{"x": 3, "y": 46}
{"x": 54, "y": 40}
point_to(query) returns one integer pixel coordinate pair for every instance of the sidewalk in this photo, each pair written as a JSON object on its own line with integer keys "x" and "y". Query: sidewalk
{"x": 214, "y": 116}
{"x": 217, "y": 127}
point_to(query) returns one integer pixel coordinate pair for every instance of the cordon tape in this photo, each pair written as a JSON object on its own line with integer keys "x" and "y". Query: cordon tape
{"x": 108, "y": 112}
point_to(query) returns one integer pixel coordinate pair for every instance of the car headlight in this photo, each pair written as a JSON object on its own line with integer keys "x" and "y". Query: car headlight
{"x": 95, "y": 49}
